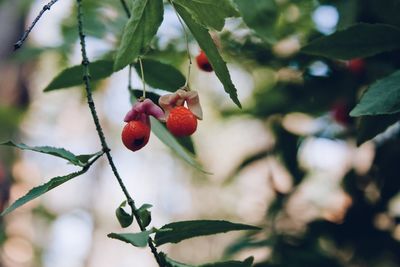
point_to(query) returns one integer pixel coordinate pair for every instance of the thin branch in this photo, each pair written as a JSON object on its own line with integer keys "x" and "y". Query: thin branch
{"x": 142, "y": 74}
{"x": 105, "y": 148}
{"x": 126, "y": 8}
{"x": 187, "y": 43}
{"x": 46, "y": 7}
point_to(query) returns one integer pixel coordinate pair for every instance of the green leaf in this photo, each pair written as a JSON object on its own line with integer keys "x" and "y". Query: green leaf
{"x": 209, "y": 13}
{"x": 145, "y": 214}
{"x": 40, "y": 190}
{"x": 142, "y": 26}
{"x": 207, "y": 45}
{"x": 260, "y": 16}
{"x": 168, "y": 139}
{"x": 178, "y": 231}
{"x": 73, "y": 76}
{"x": 136, "y": 239}
{"x": 80, "y": 160}
{"x": 359, "y": 40}
{"x": 382, "y": 97}
{"x": 172, "y": 263}
{"x": 125, "y": 219}
{"x": 161, "y": 76}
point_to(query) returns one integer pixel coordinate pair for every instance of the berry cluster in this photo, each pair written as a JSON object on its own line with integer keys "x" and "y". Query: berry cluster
{"x": 180, "y": 120}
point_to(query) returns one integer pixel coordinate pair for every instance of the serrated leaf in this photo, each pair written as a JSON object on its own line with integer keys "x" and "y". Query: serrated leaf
{"x": 178, "y": 231}
{"x": 79, "y": 160}
{"x": 206, "y": 43}
{"x": 40, "y": 190}
{"x": 161, "y": 76}
{"x": 382, "y": 97}
{"x": 125, "y": 219}
{"x": 73, "y": 76}
{"x": 136, "y": 239}
{"x": 145, "y": 214}
{"x": 261, "y": 16}
{"x": 359, "y": 40}
{"x": 142, "y": 26}
{"x": 209, "y": 13}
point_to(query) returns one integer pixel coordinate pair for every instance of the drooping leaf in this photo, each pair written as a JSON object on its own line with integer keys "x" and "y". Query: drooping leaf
{"x": 261, "y": 16}
{"x": 359, "y": 40}
{"x": 161, "y": 76}
{"x": 79, "y": 160}
{"x": 382, "y": 97}
{"x": 125, "y": 219}
{"x": 146, "y": 17}
{"x": 40, "y": 190}
{"x": 178, "y": 231}
{"x": 172, "y": 263}
{"x": 145, "y": 214}
{"x": 206, "y": 43}
{"x": 209, "y": 13}
{"x": 73, "y": 76}
{"x": 136, "y": 239}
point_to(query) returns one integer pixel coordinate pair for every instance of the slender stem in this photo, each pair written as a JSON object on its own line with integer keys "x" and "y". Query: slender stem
{"x": 143, "y": 82}
{"x": 130, "y": 77}
{"x": 126, "y": 8}
{"x": 105, "y": 148}
{"x": 187, "y": 43}
{"x": 46, "y": 7}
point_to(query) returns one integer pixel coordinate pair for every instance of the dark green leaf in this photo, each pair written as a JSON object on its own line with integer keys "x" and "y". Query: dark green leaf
{"x": 371, "y": 126}
{"x": 359, "y": 40}
{"x": 58, "y": 152}
{"x": 246, "y": 263}
{"x": 146, "y": 17}
{"x": 152, "y": 96}
{"x": 125, "y": 219}
{"x": 161, "y": 76}
{"x": 261, "y": 16}
{"x": 209, "y": 13}
{"x": 73, "y": 76}
{"x": 145, "y": 214}
{"x": 207, "y": 44}
{"x": 40, "y": 190}
{"x": 382, "y": 97}
{"x": 136, "y": 239}
{"x": 178, "y": 231}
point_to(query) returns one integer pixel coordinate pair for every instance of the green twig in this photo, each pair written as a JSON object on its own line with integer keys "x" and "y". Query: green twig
{"x": 105, "y": 148}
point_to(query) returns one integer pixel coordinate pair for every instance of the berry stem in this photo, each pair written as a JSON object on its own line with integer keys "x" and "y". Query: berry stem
{"x": 46, "y": 7}
{"x": 187, "y": 45}
{"x": 142, "y": 74}
{"x": 105, "y": 148}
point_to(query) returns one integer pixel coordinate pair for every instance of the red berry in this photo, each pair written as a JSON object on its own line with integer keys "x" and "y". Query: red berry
{"x": 356, "y": 66}
{"x": 181, "y": 122}
{"x": 340, "y": 113}
{"x": 135, "y": 135}
{"x": 203, "y": 63}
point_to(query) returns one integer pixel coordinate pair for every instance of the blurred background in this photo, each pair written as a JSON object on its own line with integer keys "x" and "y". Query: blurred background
{"x": 291, "y": 161}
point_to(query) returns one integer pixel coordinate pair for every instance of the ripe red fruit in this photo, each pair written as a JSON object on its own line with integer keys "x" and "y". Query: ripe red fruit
{"x": 181, "y": 122}
{"x": 340, "y": 113}
{"x": 203, "y": 63}
{"x": 135, "y": 135}
{"x": 356, "y": 66}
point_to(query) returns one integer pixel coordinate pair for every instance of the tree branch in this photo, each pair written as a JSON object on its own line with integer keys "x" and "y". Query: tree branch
{"x": 105, "y": 148}
{"x": 46, "y": 7}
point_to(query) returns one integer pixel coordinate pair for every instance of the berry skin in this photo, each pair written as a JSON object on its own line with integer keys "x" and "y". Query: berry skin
{"x": 181, "y": 122}
{"x": 135, "y": 135}
{"x": 340, "y": 113}
{"x": 356, "y": 66}
{"x": 203, "y": 63}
